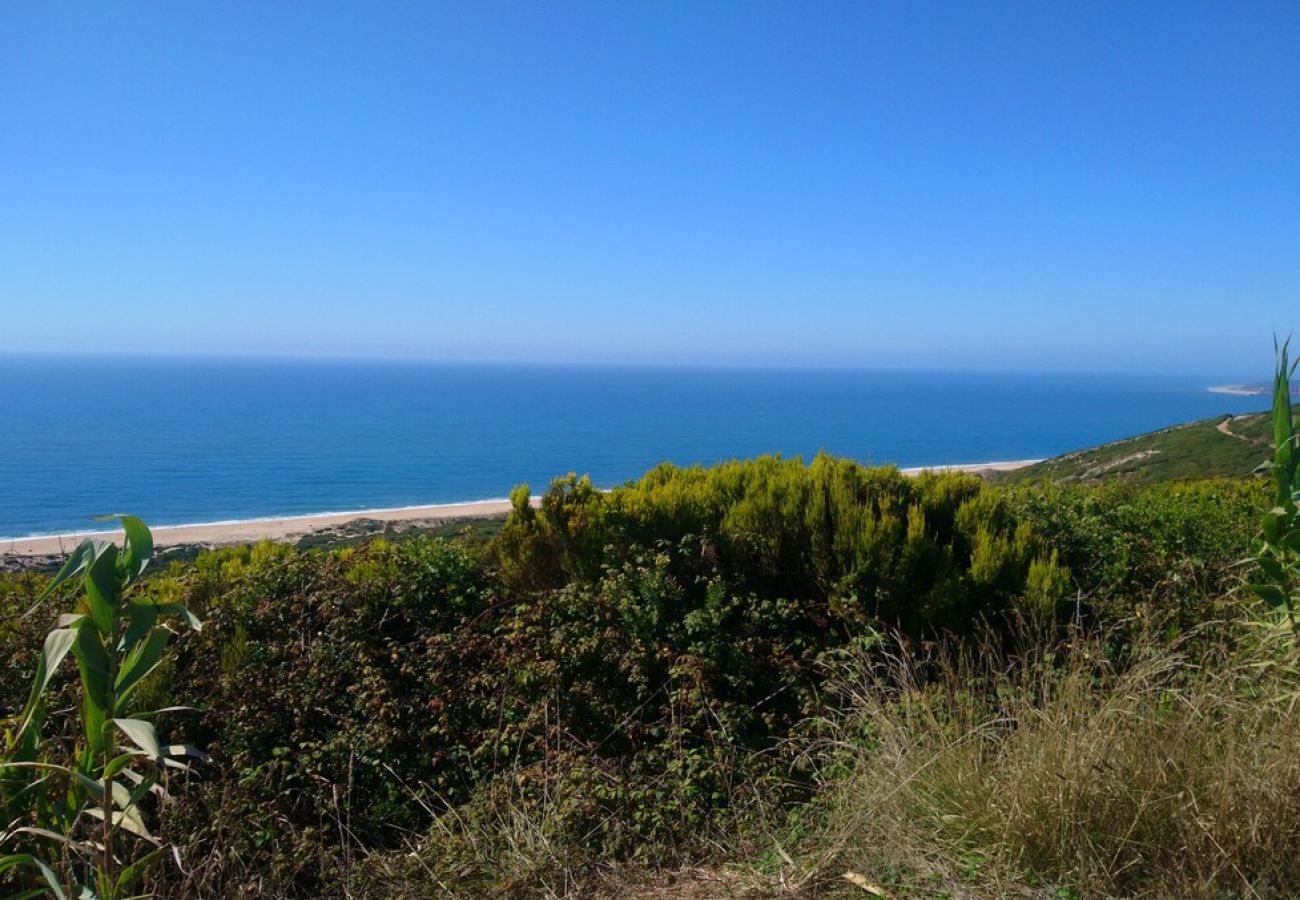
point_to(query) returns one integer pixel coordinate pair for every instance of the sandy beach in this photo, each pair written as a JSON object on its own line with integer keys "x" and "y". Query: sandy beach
{"x": 247, "y": 531}
{"x": 975, "y": 468}
{"x": 292, "y": 528}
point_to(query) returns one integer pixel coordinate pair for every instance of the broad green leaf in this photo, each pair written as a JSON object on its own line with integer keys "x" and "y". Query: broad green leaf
{"x": 142, "y": 735}
{"x": 128, "y": 819}
{"x": 102, "y": 589}
{"x": 121, "y": 796}
{"x": 77, "y": 560}
{"x": 132, "y": 873}
{"x": 143, "y": 786}
{"x": 94, "y": 789}
{"x": 139, "y": 544}
{"x": 94, "y": 725}
{"x": 139, "y": 663}
{"x": 142, "y": 617}
{"x": 15, "y": 860}
{"x": 1282, "y": 425}
{"x": 140, "y": 541}
{"x": 57, "y": 644}
{"x": 1290, "y": 540}
{"x": 94, "y": 663}
{"x": 48, "y": 835}
{"x": 1270, "y": 594}
{"x": 117, "y": 764}
{"x": 140, "y": 785}
{"x": 1283, "y": 428}
{"x": 1272, "y": 525}
{"x": 1273, "y": 569}
{"x": 33, "y": 764}
{"x": 179, "y": 609}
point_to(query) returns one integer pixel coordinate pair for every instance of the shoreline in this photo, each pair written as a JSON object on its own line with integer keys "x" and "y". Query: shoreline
{"x": 287, "y": 528}
{"x": 1239, "y": 390}
{"x": 1248, "y": 390}
{"x": 1002, "y": 465}
{"x": 274, "y": 528}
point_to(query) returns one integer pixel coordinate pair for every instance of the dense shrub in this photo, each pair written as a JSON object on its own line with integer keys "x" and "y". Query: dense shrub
{"x": 851, "y": 544}
{"x": 614, "y": 671}
{"x": 1171, "y": 552}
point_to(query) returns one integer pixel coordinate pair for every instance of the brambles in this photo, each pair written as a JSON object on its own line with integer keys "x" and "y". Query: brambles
{"x": 75, "y": 805}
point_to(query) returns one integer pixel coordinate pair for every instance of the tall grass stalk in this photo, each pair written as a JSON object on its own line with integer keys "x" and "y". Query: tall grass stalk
{"x": 1279, "y": 557}
{"x": 74, "y": 808}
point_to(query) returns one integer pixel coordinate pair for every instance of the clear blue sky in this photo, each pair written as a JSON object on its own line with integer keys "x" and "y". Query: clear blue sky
{"x": 1111, "y": 186}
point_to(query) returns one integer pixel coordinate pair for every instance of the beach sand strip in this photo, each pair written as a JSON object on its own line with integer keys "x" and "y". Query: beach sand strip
{"x": 293, "y": 528}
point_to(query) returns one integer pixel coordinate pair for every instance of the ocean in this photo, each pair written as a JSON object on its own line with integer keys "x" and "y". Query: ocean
{"x": 202, "y": 440}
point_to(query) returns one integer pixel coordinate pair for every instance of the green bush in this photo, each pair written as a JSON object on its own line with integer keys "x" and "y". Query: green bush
{"x": 616, "y": 675}
{"x": 1168, "y": 552}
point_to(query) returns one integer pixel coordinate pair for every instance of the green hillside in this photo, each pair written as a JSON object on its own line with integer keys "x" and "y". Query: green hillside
{"x": 1230, "y": 446}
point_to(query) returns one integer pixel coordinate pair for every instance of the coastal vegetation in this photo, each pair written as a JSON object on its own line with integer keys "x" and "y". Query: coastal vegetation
{"x": 760, "y": 678}
{"x": 1222, "y": 447}
{"x": 77, "y": 795}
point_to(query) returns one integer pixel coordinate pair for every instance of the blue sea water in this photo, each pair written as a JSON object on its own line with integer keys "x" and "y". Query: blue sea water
{"x": 201, "y": 440}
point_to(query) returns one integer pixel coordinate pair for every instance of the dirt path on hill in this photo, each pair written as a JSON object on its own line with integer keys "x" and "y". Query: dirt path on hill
{"x": 1223, "y": 428}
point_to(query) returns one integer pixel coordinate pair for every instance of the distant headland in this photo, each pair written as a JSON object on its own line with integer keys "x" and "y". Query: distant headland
{"x": 1246, "y": 390}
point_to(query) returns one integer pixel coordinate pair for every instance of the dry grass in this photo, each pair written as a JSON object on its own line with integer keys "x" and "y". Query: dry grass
{"x": 1051, "y": 773}
{"x": 509, "y": 841}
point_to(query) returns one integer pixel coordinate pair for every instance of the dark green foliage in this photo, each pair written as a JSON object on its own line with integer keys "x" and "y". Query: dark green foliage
{"x": 849, "y": 544}
{"x": 338, "y": 669}
{"x": 638, "y": 646}
{"x": 1168, "y": 552}
{"x": 631, "y": 662}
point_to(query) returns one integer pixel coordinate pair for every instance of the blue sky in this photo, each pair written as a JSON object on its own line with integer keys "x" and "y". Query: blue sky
{"x": 1099, "y": 186}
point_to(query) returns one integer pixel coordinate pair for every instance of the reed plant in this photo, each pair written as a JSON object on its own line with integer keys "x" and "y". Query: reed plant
{"x": 75, "y": 787}
{"x": 1279, "y": 557}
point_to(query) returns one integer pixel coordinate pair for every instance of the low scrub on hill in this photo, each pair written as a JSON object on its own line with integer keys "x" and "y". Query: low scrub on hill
{"x": 633, "y": 678}
{"x": 1225, "y": 446}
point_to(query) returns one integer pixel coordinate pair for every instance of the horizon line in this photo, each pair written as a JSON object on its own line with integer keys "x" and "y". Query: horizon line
{"x": 1216, "y": 377}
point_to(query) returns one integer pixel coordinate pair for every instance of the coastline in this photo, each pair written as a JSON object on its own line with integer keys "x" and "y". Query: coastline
{"x": 1248, "y": 390}
{"x": 1238, "y": 390}
{"x": 293, "y": 528}
{"x": 1005, "y": 465}
{"x": 273, "y": 528}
